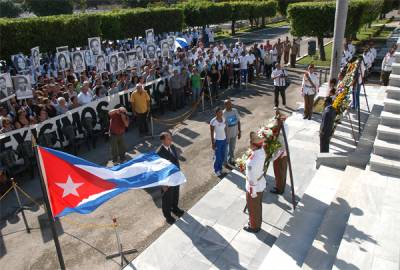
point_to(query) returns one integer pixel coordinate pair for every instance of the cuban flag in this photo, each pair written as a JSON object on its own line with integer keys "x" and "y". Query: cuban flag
{"x": 77, "y": 185}
{"x": 180, "y": 43}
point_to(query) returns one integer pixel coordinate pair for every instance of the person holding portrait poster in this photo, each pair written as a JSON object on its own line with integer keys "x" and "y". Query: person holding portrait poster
{"x": 101, "y": 63}
{"x": 78, "y": 63}
{"x": 63, "y": 61}
{"x": 6, "y": 88}
{"x": 22, "y": 87}
{"x": 35, "y": 57}
{"x": 150, "y": 36}
{"x": 95, "y": 45}
{"x": 164, "y": 48}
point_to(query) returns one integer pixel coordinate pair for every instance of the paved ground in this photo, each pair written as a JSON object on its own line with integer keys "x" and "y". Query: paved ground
{"x": 138, "y": 212}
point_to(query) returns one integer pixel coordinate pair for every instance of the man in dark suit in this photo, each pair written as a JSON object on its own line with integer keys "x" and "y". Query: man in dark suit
{"x": 170, "y": 194}
{"x": 327, "y": 123}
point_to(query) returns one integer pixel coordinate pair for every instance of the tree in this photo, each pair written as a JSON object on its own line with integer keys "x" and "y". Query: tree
{"x": 50, "y": 7}
{"x": 317, "y": 19}
{"x": 136, "y": 3}
{"x": 9, "y": 9}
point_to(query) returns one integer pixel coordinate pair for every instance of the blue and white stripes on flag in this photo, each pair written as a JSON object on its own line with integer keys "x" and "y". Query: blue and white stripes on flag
{"x": 181, "y": 43}
{"x": 77, "y": 185}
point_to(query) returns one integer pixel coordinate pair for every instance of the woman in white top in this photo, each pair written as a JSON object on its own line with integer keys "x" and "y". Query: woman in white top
{"x": 218, "y": 140}
{"x": 387, "y": 62}
{"x": 309, "y": 88}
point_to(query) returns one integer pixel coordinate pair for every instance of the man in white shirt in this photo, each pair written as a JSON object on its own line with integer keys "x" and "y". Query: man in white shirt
{"x": 218, "y": 140}
{"x": 387, "y": 62}
{"x": 244, "y": 61}
{"x": 85, "y": 96}
{"x": 279, "y": 76}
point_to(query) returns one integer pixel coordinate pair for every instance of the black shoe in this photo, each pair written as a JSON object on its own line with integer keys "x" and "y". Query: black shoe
{"x": 250, "y": 230}
{"x": 305, "y": 117}
{"x": 275, "y": 191}
{"x": 178, "y": 212}
{"x": 309, "y": 118}
{"x": 170, "y": 220}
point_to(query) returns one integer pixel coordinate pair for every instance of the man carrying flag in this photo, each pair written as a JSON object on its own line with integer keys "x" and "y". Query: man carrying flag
{"x": 170, "y": 195}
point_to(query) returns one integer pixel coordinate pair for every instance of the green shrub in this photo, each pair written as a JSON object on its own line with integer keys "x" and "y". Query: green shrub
{"x": 50, "y": 7}
{"x": 9, "y": 9}
{"x": 73, "y": 30}
{"x": 318, "y": 18}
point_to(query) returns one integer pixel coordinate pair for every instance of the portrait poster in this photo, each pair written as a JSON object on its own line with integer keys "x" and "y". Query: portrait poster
{"x": 139, "y": 52}
{"x": 63, "y": 60}
{"x": 165, "y": 49}
{"x": 6, "y": 87}
{"x": 121, "y": 61}
{"x": 171, "y": 42}
{"x": 95, "y": 45}
{"x": 22, "y": 86}
{"x": 101, "y": 63}
{"x": 113, "y": 59}
{"x": 89, "y": 58}
{"x": 151, "y": 51}
{"x": 62, "y": 49}
{"x": 20, "y": 63}
{"x": 35, "y": 57}
{"x": 150, "y": 36}
{"x": 131, "y": 58}
{"x": 78, "y": 62}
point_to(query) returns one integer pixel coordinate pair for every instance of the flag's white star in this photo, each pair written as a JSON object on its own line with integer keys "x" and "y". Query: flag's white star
{"x": 69, "y": 187}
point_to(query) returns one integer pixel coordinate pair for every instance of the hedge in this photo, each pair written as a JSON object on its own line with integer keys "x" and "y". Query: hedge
{"x": 50, "y": 7}
{"x": 9, "y": 9}
{"x": 20, "y": 35}
{"x": 201, "y": 13}
{"x": 317, "y": 18}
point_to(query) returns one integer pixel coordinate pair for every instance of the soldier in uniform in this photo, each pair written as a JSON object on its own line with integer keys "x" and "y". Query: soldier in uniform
{"x": 255, "y": 182}
{"x": 280, "y": 157}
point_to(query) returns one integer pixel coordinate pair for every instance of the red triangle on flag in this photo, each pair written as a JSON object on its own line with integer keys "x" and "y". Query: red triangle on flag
{"x": 68, "y": 185}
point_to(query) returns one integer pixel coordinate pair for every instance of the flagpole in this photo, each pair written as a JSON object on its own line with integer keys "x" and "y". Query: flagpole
{"x": 48, "y": 208}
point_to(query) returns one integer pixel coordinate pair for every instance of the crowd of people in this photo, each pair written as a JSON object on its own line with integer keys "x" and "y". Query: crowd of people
{"x": 201, "y": 66}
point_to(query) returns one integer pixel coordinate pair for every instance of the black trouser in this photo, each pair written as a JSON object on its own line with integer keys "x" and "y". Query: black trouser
{"x": 251, "y": 73}
{"x": 236, "y": 78}
{"x": 292, "y": 60}
{"x": 324, "y": 144}
{"x": 142, "y": 123}
{"x": 214, "y": 89}
{"x": 170, "y": 199}
{"x": 280, "y": 90}
{"x": 176, "y": 98}
{"x": 268, "y": 70}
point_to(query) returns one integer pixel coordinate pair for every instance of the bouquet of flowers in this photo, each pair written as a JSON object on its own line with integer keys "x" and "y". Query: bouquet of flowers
{"x": 271, "y": 143}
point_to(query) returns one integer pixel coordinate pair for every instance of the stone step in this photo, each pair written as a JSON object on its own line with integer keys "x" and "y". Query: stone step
{"x": 394, "y": 79}
{"x": 386, "y": 149}
{"x": 390, "y": 134}
{"x": 391, "y": 105}
{"x": 385, "y": 165}
{"x": 390, "y": 119}
{"x": 371, "y": 239}
{"x": 393, "y": 92}
{"x": 396, "y": 68}
{"x": 324, "y": 248}
{"x": 293, "y": 243}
